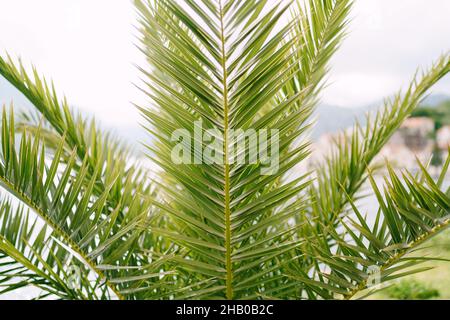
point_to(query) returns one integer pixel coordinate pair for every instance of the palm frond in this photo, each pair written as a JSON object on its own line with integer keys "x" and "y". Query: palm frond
{"x": 412, "y": 210}
{"x": 55, "y": 119}
{"x": 111, "y": 171}
{"x": 344, "y": 170}
{"x": 30, "y": 255}
{"x": 228, "y": 64}
{"x": 59, "y": 195}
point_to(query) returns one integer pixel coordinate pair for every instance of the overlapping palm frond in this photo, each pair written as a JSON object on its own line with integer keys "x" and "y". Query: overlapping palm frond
{"x": 30, "y": 255}
{"x": 54, "y": 119}
{"x": 366, "y": 253}
{"x": 103, "y": 170}
{"x": 62, "y": 194}
{"x": 320, "y": 32}
{"x": 344, "y": 171}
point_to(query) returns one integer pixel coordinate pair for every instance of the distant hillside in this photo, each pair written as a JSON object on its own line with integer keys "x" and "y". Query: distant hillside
{"x": 332, "y": 118}
{"x": 329, "y": 118}
{"x": 9, "y": 94}
{"x": 435, "y": 100}
{"x": 440, "y": 113}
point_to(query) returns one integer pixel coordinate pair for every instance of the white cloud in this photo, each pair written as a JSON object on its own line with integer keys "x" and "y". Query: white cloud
{"x": 353, "y": 89}
{"x": 86, "y": 46}
{"x": 387, "y": 42}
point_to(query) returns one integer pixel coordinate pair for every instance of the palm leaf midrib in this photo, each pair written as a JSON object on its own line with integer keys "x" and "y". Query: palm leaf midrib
{"x": 227, "y": 210}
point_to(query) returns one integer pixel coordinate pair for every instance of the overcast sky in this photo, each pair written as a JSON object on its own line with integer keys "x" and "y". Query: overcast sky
{"x": 86, "y": 47}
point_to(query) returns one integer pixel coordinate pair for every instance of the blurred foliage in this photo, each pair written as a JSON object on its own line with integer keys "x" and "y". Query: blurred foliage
{"x": 440, "y": 113}
{"x": 412, "y": 290}
{"x": 437, "y": 278}
{"x": 442, "y": 242}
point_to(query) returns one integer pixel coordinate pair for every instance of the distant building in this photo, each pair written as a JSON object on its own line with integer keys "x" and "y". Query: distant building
{"x": 417, "y": 133}
{"x": 400, "y": 156}
{"x": 443, "y": 138}
{"x": 322, "y": 148}
{"x": 414, "y": 140}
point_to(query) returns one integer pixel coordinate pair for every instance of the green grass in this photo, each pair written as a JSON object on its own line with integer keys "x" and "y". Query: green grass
{"x": 412, "y": 289}
{"x": 435, "y": 279}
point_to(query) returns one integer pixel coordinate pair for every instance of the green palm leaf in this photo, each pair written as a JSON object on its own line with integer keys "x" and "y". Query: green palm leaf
{"x": 229, "y": 65}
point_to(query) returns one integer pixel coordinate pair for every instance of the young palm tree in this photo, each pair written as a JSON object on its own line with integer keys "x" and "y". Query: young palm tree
{"x": 91, "y": 224}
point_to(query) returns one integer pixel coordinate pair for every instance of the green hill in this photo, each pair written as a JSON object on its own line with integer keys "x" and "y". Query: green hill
{"x": 439, "y": 113}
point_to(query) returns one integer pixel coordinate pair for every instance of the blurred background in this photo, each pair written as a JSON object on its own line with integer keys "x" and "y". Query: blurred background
{"x": 87, "y": 47}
